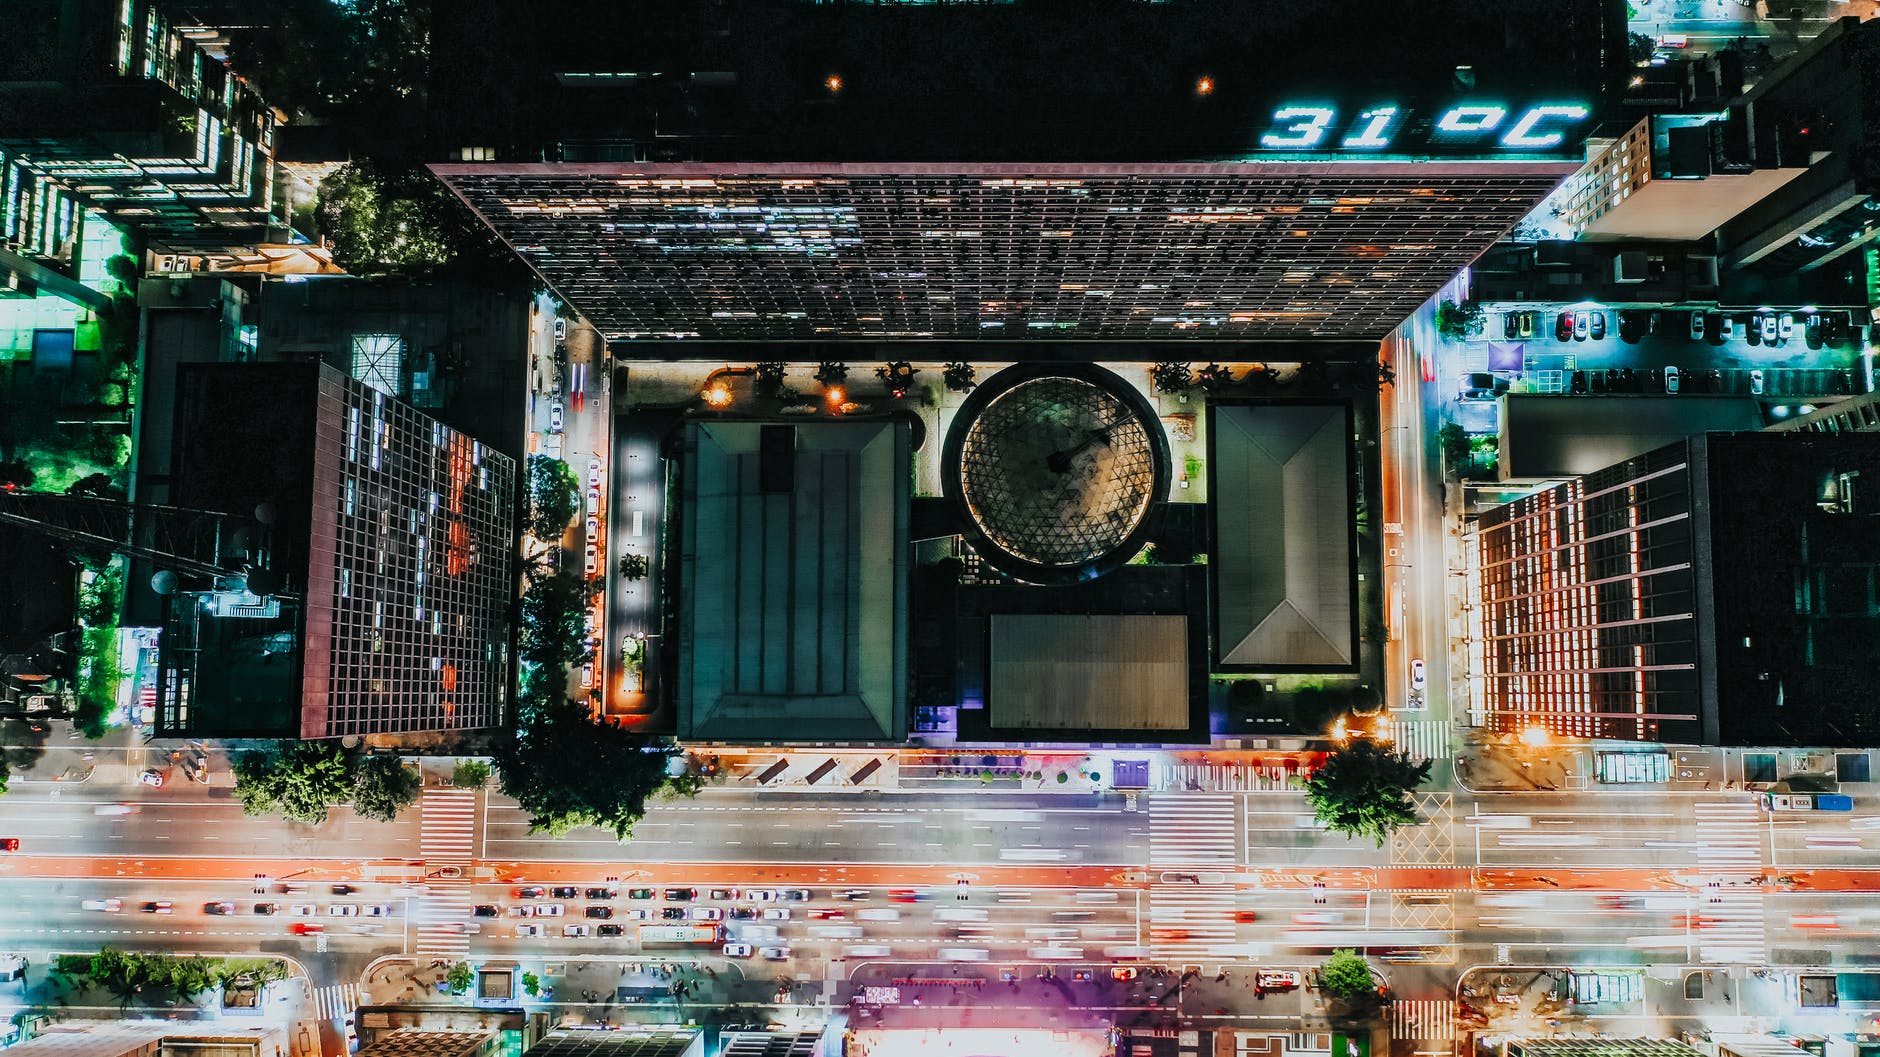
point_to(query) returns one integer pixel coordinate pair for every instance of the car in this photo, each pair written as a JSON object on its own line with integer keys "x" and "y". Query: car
{"x": 593, "y": 526}
{"x": 587, "y": 677}
{"x": 267, "y": 908}
{"x": 1278, "y": 979}
{"x": 706, "y": 914}
{"x": 600, "y": 912}
{"x": 158, "y": 906}
{"x": 1510, "y": 326}
{"x": 1768, "y": 327}
{"x": 459, "y": 928}
{"x": 828, "y": 914}
{"x": 1582, "y": 325}
{"x": 378, "y": 910}
{"x": 531, "y": 892}
{"x": 343, "y": 910}
{"x": 594, "y": 472}
{"x": 1755, "y": 383}
{"x": 1814, "y": 330}
{"x": 561, "y": 329}
{"x": 903, "y": 895}
{"x": 640, "y": 893}
{"x": 593, "y": 500}
{"x": 1418, "y": 674}
{"x": 672, "y": 913}
{"x": 1785, "y": 326}
{"x": 853, "y": 894}
{"x": 9, "y": 844}
{"x": 743, "y": 913}
{"x": 1698, "y": 326}
{"x": 1124, "y": 972}
{"x": 564, "y": 892}
{"x": 1563, "y": 327}
{"x": 554, "y": 418}
{"x": 1671, "y": 381}
{"x": 603, "y": 893}
{"x": 776, "y": 913}
{"x": 1526, "y": 324}
{"x": 636, "y": 913}
{"x": 220, "y": 906}
{"x": 885, "y": 914}
{"x": 485, "y": 910}
{"x": 528, "y": 930}
{"x": 304, "y": 910}
{"x": 549, "y": 910}
{"x": 609, "y": 930}
{"x": 1596, "y": 325}
{"x": 721, "y": 893}
{"x": 151, "y": 778}
{"x": 680, "y": 895}
{"x": 107, "y": 906}
{"x": 344, "y": 889}
{"x": 1318, "y": 917}
{"x": 306, "y": 928}
{"x": 737, "y": 950}
{"x": 794, "y": 895}
{"x": 115, "y": 809}
{"x": 575, "y": 931}
{"x": 774, "y": 954}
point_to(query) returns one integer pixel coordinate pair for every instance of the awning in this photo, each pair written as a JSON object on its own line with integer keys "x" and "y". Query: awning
{"x": 821, "y": 769}
{"x": 867, "y": 769}
{"x": 773, "y": 771}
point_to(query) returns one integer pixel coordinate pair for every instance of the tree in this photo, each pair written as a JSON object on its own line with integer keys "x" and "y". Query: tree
{"x": 531, "y": 984}
{"x": 1459, "y": 322}
{"x": 551, "y": 629}
{"x": 770, "y": 379}
{"x": 958, "y": 377}
{"x": 383, "y": 786}
{"x": 1455, "y": 443}
{"x": 1639, "y": 48}
{"x": 554, "y": 497}
{"x": 6, "y": 772}
{"x": 1345, "y": 975}
{"x": 301, "y": 780}
{"x": 566, "y": 770}
{"x": 122, "y": 267}
{"x": 389, "y": 218}
{"x": 634, "y": 566}
{"x": 1171, "y": 377}
{"x": 1363, "y": 789}
{"x": 459, "y": 978}
{"x": 470, "y": 774}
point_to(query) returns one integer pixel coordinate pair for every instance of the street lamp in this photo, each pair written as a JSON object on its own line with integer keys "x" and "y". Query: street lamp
{"x": 1536, "y": 737}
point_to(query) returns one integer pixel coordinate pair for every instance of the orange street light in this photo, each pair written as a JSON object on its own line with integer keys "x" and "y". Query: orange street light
{"x": 718, "y": 395}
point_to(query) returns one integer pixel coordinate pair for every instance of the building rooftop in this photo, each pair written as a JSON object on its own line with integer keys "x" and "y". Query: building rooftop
{"x": 793, "y": 580}
{"x": 624, "y": 1041}
{"x": 1545, "y": 437}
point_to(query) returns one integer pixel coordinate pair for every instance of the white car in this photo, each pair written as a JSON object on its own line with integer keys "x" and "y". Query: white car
{"x": 554, "y": 418}
{"x": 108, "y": 906}
{"x": 151, "y": 778}
{"x": 523, "y": 911}
{"x": 1697, "y": 326}
{"x": 114, "y": 809}
{"x": 1279, "y": 979}
{"x": 737, "y": 950}
{"x": 776, "y": 913}
{"x": 574, "y": 932}
{"x": 548, "y": 910}
{"x": 1318, "y": 917}
{"x": 587, "y": 677}
{"x": 561, "y": 329}
{"x": 593, "y": 526}
{"x": 705, "y": 914}
{"x": 775, "y": 954}
{"x": 593, "y": 500}
{"x": 594, "y": 472}
{"x": 1671, "y": 381}
{"x": 1418, "y": 675}
{"x": 760, "y": 895}
{"x": 303, "y": 910}
{"x": 1582, "y": 325}
{"x": 343, "y": 910}
{"x": 1769, "y": 327}
{"x": 528, "y": 930}
{"x": 1755, "y": 383}
{"x": 593, "y": 557}
{"x": 1785, "y": 326}
{"x": 637, "y": 914}
{"x": 378, "y": 910}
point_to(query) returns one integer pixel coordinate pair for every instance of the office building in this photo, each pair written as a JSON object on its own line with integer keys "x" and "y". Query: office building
{"x": 836, "y": 178}
{"x": 387, "y": 547}
{"x": 1714, "y": 591}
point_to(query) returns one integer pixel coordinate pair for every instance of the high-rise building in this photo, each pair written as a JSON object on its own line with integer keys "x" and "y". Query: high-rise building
{"x": 789, "y": 172}
{"x": 387, "y": 540}
{"x": 1715, "y": 591}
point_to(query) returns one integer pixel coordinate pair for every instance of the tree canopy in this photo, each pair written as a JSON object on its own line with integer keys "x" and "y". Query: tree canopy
{"x": 1363, "y": 789}
{"x": 551, "y": 628}
{"x": 388, "y": 220}
{"x": 566, "y": 770}
{"x": 554, "y": 497}
{"x": 1459, "y": 321}
{"x": 301, "y": 780}
{"x": 383, "y": 786}
{"x": 1345, "y": 975}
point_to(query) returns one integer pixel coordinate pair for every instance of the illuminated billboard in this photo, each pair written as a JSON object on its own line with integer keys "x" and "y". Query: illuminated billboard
{"x": 1472, "y": 128}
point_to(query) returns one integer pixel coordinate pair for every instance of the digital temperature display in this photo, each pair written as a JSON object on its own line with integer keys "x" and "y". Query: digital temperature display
{"x": 1386, "y": 128}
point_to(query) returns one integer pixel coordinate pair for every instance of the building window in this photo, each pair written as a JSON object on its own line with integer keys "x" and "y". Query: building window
{"x": 378, "y": 360}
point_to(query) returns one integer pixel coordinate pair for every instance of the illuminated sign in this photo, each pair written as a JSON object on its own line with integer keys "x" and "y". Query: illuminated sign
{"x": 1464, "y": 128}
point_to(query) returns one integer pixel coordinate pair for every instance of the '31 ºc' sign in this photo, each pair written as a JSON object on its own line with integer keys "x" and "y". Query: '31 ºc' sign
{"x": 1462, "y": 128}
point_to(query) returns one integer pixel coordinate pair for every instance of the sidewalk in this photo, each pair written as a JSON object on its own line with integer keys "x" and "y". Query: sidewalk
{"x": 592, "y": 989}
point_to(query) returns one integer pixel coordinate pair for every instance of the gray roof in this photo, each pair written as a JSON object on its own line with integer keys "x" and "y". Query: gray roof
{"x": 1547, "y": 437}
{"x": 793, "y": 616}
{"x": 1280, "y": 486}
{"x": 1073, "y": 672}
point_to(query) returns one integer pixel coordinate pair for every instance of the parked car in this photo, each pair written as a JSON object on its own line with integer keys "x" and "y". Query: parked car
{"x": 603, "y": 893}
{"x": 601, "y": 912}
{"x": 1769, "y": 328}
{"x": 528, "y": 930}
{"x": 151, "y": 778}
{"x": 1480, "y": 386}
{"x": 640, "y": 893}
{"x": 564, "y": 892}
{"x": 737, "y": 950}
{"x": 1755, "y": 383}
{"x": 680, "y": 895}
{"x": 561, "y": 329}
{"x": 672, "y": 913}
{"x": 378, "y": 910}
{"x": 531, "y": 892}
{"x": 1526, "y": 324}
{"x": 1671, "y": 381}
{"x": 554, "y": 418}
{"x": 1699, "y": 326}
{"x": 609, "y": 930}
{"x": 342, "y": 910}
{"x": 575, "y": 931}
{"x": 1510, "y": 325}
{"x": 1582, "y": 325}
{"x": 1278, "y": 979}
{"x": 636, "y": 913}
{"x": 776, "y": 913}
{"x": 706, "y": 914}
{"x": 1563, "y": 327}
{"x": 1418, "y": 674}
{"x": 1785, "y": 326}
{"x": 485, "y": 910}
{"x": 1596, "y": 325}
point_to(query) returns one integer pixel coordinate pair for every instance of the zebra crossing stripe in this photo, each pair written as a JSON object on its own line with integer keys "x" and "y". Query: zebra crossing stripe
{"x": 1193, "y": 830}
{"x": 1423, "y": 1020}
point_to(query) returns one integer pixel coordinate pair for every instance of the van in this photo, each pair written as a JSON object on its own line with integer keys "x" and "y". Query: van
{"x": 836, "y": 932}
{"x": 867, "y": 950}
{"x": 964, "y": 954}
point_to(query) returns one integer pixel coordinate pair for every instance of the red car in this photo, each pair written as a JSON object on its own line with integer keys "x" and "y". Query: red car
{"x": 306, "y": 928}
{"x": 827, "y": 915}
{"x": 9, "y": 844}
{"x": 903, "y": 895}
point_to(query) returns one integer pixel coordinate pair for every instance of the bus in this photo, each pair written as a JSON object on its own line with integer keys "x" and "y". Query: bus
{"x": 678, "y": 935}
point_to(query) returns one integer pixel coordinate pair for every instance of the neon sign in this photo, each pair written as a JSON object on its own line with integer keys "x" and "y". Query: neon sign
{"x": 1472, "y": 128}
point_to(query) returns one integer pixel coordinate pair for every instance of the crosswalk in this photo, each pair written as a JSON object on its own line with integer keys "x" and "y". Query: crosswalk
{"x": 1729, "y": 837}
{"x": 1424, "y": 739}
{"x": 1423, "y": 1020}
{"x": 1189, "y": 922}
{"x": 447, "y": 840}
{"x": 1193, "y": 829}
{"x": 1733, "y": 928}
{"x": 335, "y": 1000}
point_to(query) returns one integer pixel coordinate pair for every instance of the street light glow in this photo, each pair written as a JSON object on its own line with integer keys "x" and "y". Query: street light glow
{"x": 1535, "y": 737}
